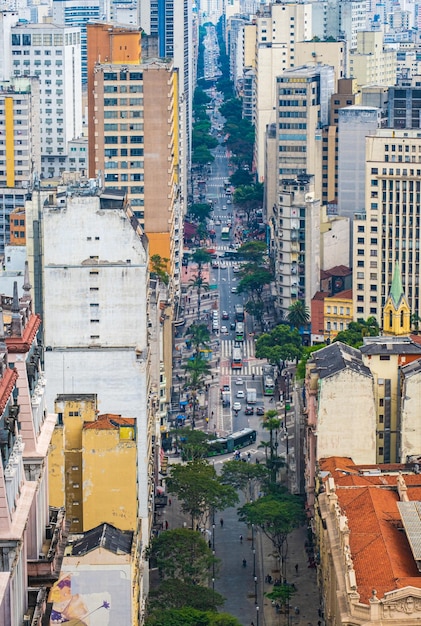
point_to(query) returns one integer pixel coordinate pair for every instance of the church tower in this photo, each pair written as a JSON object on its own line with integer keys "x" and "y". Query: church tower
{"x": 396, "y": 312}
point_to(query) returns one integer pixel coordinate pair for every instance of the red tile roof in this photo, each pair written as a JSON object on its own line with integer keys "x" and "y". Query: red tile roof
{"x": 380, "y": 549}
{"x": 109, "y": 421}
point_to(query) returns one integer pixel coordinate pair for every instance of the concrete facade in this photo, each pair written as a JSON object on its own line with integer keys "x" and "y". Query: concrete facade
{"x": 371, "y": 62}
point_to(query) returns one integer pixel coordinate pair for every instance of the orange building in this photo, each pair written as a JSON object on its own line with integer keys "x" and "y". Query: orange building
{"x": 18, "y": 227}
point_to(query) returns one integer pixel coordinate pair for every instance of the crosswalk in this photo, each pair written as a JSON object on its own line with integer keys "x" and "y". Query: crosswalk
{"x": 251, "y": 365}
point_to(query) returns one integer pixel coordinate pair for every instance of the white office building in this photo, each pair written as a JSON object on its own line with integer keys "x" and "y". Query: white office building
{"x": 53, "y": 54}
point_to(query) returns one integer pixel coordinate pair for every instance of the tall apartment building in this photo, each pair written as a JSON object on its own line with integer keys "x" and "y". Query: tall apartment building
{"x": 20, "y": 155}
{"x": 344, "y": 19}
{"x": 52, "y": 53}
{"x": 77, "y": 13}
{"x": 302, "y": 109}
{"x": 388, "y": 231}
{"x": 295, "y": 244}
{"x": 347, "y": 94}
{"x": 371, "y": 62}
{"x": 279, "y": 27}
{"x": 136, "y": 146}
{"x": 8, "y": 19}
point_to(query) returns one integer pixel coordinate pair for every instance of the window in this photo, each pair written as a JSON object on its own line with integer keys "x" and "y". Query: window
{"x": 384, "y": 357}
{"x": 381, "y": 451}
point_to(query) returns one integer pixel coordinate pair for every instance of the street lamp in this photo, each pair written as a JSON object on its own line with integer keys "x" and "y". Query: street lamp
{"x": 257, "y": 615}
{"x": 252, "y": 536}
{"x": 254, "y": 562}
{"x": 255, "y": 590}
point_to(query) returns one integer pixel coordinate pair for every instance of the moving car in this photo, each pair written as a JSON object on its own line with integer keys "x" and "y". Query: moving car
{"x": 240, "y": 394}
{"x": 233, "y": 289}
{"x": 260, "y": 410}
{"x": 224, "y": 330}
{"x": 232, "y": 326}
{"x": 236, "y": 406}
{"x": 225, "y": 315}
{"x": 239, "y": 381}
{"x": 249, "y": 410}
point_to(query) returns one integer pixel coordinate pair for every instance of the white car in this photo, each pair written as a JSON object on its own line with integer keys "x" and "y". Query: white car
{"x": 239, "y": 381}
{"x": 235, "y": 269}
{"x": 222, "y": 266}
{"x": 224, "y": 208}
{"x": 233, "y": 289}
{"x": 239, "y": 394}
{"x": 224, "y": 330}
{"x": 236, "y": 406}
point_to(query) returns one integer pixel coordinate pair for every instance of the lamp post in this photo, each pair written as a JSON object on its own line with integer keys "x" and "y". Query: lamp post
{"x": 252, "y": 536}
{"x": 254, "y": 562}
{"x": 257, "y": 615}
{"x": 255, "y": 590}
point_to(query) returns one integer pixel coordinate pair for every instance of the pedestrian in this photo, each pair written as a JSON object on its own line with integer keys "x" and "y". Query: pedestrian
{"x": 166, "y": 524}
{"x": 241, "y": 538}
{"x": 221, "y": 521}
{"x": 296, "y": 569}
{"x": 169, "y": 501}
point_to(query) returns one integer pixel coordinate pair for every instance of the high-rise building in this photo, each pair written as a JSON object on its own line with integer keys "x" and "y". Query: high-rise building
{"x": 20, "y": 155}
{"x": 78, "y": 13}
{"x": 8, "y": 19}
{"x": 388, "y": 230}
{"x": 371, "y": 62}
{"x": 295, "y": 244}
{"x": 52, "y": 54}
{"x": 302, "y": 109}
{"x": 404, "y": 107}
{"x": 279, "y": 27}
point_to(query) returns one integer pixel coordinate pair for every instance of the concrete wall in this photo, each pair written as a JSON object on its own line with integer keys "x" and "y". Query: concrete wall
{"x": 410, "y": 417}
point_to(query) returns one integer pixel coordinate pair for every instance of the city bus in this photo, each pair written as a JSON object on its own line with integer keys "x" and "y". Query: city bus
{"x": 239, "y": 331}
{"x": 268, "y": 380}
{"x": 239, "y": 313}
{"x": 236, "y": 359}
{"x": 225, "y": 233}
{"x": 235, "y": 441}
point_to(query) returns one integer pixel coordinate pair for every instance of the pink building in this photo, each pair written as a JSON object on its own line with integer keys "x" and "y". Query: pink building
{"x": 31, "y": 535}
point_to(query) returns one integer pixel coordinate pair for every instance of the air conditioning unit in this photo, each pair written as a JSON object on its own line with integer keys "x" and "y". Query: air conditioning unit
{"x": 309, "y": 197}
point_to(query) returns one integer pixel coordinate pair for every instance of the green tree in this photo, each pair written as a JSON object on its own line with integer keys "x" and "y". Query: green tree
{"x": 202, "y": 155}
{"x": 253, "y": 280}
{"x": 415, "y": 321}
{"x": 200, "y": 211}
{"x": 281, "y": 594}
{"x": 253, "y": 252}
{"x": 356, "y": 331}
{"x": 255, "y": 308}
{"x": 192, "y": 443}
{"x": 300, "y": 372}
{"x": 298, "y": 314}
{"x": 199, "y": 490}
{"x": 280, "y": 344}
{"x": 201, "y": 285}
{"x": 201, "y": 257}
{"x": 241, "y": 177}
{"x": 249, "y": 197}
{"x": 276, "y": 514}
{"x": 244, "y": 476}
{"x": 190, "y": 617}
{"x": 196, "y": 369}
{"x": 199, "y": 336}
{"x": 159, "y": 268}
{"x": 182, "y": 554}
{"x": 200, "y": 98}
{"x": 272, "y": 423}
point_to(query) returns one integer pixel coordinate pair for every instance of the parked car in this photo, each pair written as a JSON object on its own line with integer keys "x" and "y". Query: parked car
{"x": 249, "y": 410}
{"x": 260, "y": 410}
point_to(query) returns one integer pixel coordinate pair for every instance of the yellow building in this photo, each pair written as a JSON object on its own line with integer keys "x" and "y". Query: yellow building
{"x": 66, "y": 454}
{"x": 110, "y": 472}
{"x": 338, "y": 313}
{"x": 93, "y": 467}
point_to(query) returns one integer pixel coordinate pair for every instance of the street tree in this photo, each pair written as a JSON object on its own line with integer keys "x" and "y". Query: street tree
{"x": 199, "y": 490}
{"x": 196, "y": 369}
{"x": 415, "y": 321}
{"x": 201, "y": 285}
{"x": 244, "y": 476}
{"x": 200, "y": 211}
{"x": 255, "y": 308}
{"x": 188, "y": 616}
{"x": 249, "y": 198}
{"x": 199, "y": 336}
{"x": 253, "y": 280}
{"x": 201, "y": 155}
{"x": 276, "y": 514}
{"x": 182, "y": 554}
{"x": 191, "y": 443}
{"x": 280, "y": 344}
{"x": 300, "y": 372}
{"x": 253, "y": 252}
{"x": 281, "y": 594}
{"x": 298, "y": 314}
{"x": 200, "y": 98}
{"x": 201, "y": 257}
{"x": 159, "y": 267}
{"x": 272, "y": 423}
{"x": 241, "y": 177}
{"x": 265, "y": 445}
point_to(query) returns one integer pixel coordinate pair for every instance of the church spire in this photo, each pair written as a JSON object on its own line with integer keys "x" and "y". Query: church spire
{"x": 396, "y": 312}
{"x": 16, "y": 326}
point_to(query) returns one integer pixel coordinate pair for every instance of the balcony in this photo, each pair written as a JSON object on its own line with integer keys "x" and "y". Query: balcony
{"x": 46, "y": 568}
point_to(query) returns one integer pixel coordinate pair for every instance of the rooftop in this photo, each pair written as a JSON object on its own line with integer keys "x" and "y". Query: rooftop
{"x": 390, "y": 345}
{"x": 102, "y": 536}
{"x": 336, "y": 357}
{"x": 109, "y": 421}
